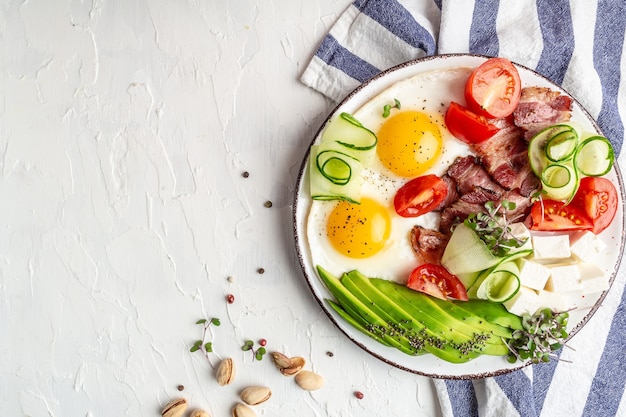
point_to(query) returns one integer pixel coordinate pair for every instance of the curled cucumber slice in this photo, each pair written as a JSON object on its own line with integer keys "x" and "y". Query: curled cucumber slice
{"x": 334, "y": 174}
{"x": 562, "y": 146}
{"x": 595, "y": 156}
{"x": 335, "y": 166}
{"x": 349, "y": 132}
{"x": 562, "y": 154}
{"x": 501, "y": 284}
{"x": 537, "y": 146}
{"x": 560, "y": 181}
{"x": 337, "y": 161}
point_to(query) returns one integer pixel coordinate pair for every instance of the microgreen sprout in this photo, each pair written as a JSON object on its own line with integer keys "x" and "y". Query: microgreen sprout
{"x": 256, "y": 353}
{"x": 494, "y": 229}
{"x": 543, "y": 333}
{"x": 202, "y": 345}
{"x": 387, "y": 107}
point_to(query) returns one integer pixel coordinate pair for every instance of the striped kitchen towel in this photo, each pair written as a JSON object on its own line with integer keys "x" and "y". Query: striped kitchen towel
{"x": 578, "y": 45}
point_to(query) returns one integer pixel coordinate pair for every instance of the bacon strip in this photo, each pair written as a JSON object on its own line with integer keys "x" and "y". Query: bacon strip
{"x": 540, "y": 107}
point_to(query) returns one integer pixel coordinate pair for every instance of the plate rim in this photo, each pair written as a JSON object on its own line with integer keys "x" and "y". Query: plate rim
{"x": 301, "y": 175}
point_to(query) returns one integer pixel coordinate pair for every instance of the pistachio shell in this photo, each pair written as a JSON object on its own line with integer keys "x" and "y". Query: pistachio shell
{"x": 199, "y": 413}
{"x": 309, "y": 381}
{"x": 288, "y": 366}
{"x": 225, "y": 373}
{"x": 281, "y": 360}
{"x": 255, "y": 395}
{"x": 175, "y": 408}
{"x": 242, "y": 410}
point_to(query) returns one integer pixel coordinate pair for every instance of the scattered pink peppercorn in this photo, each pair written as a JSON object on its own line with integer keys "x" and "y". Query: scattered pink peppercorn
{"x": 262, "y": 342}
{"x": 230, "y": 298}
{"x": 359, "y": 395}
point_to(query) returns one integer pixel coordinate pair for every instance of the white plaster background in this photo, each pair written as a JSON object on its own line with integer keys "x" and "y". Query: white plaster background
{"x": 125, "y": 127}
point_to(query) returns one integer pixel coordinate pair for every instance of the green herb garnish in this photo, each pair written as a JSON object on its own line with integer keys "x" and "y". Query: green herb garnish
{"x": 543, "y": 333}
{"x": 256, "y": 353}
{"x": 387, "y": 107}
{"x": 494, "y": 229}
{"x": 201, "y": 344}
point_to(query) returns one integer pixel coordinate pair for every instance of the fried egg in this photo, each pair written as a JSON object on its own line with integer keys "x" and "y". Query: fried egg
{"x": 412, "y": 141}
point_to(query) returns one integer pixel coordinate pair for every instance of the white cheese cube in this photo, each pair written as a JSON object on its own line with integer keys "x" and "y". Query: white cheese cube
{"x": 520, "y": 231}
{"x": 566, "y": 301}
{"x": 525, "y": 301}
{"x": 588, "y": 300}
{"x": 532, "y": 274}
{"x": 551, "y": 246}
{"x": 586, "y": 246}
{"x": 563, "y": 278}
{"x": 554, "y": 300}
{"x": 593, "y": 279}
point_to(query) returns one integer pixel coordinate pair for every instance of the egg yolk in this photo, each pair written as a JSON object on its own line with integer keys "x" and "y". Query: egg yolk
{"x": 409, "y": 143}
{"x": 358, "y": 230}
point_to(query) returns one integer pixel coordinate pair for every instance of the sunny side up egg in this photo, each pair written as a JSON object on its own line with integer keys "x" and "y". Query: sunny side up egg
{"x": 412, "y": 141}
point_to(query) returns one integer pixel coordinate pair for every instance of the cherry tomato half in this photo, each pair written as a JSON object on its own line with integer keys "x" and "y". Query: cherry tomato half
{"x": 435, "y": 280}
{"x": 420, "y": 195}
{"x": 467, "y": 126}
{"x": 551, "y": 215}
{"x": 598, "y": 198}
{"x": 493, "y": 89}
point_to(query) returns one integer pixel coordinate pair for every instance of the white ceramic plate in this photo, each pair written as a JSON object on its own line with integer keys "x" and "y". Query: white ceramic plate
{"x": 430, "y": 365}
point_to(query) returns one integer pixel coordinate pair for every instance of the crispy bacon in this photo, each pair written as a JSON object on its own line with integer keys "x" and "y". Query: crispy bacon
{"x": 428, "y": 244}
{"x": 540, "y": 107}
{"x": 505, "y": 158}
{"x": 456, "y": 213}
{"x": 469, "y": 174}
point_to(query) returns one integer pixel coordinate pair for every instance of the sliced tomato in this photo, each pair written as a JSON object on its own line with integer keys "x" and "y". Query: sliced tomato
{"x": 551, "y": 215}
{"x": 437, "y": 281}
{"x": 493, "y": 89}
{"x": 467, "y": 126}
{"x": 420, "y": 195}
{"x": 597, "y": 197}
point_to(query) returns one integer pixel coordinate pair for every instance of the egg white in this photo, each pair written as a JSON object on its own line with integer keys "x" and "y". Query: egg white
{"x": 431, "y": 93}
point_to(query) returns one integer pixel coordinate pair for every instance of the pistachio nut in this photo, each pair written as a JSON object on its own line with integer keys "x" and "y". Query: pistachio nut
{"x": 309, "y": 381}
{"x": 199, "y": 413}
{"x": 286, "y": 365}
{"x": 225, "y": 373}
{"x": 255, "y": 395}
{"x": 242, "y": 410}
{"x": 175, "y": 408}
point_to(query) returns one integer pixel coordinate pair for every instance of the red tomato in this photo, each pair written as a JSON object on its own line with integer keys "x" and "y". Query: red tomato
{"x": 598, "y": 198}
{"x": 468, "y": 126}
{"x": 551, "y": 215}
{"x": 420, "y": 195}
{"x": 435, "y": 280}
{"x": 493, "y": 89}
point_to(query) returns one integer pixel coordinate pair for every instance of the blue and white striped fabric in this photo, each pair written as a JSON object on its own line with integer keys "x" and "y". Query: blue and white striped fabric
{"x": 577, "y": 44}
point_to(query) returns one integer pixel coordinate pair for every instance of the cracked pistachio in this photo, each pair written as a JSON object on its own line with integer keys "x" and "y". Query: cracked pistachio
{"x": 175, "y": 408}
{"x": 286, "y": 365}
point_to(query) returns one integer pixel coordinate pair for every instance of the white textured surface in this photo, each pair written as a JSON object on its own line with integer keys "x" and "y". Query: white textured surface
{"x": 125, "y": 127}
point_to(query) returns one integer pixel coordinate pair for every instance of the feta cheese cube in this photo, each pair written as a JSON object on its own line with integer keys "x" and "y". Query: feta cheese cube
{"x": 520, "y": 231}
{"x": 587, "y": 300}
{"x": 525, "y": 301}
{"x": 532, "y": 274}
{"x": 555, "y": 301}
{"x": 551, "y": 246}
{"x": 566, "y": 301}
{"x": 563, "y": 278}
{"x": 593, "y": 279}
{"x": 585, "y": 246}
